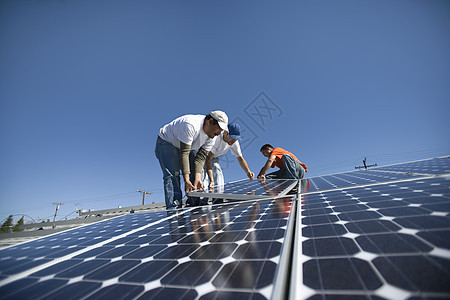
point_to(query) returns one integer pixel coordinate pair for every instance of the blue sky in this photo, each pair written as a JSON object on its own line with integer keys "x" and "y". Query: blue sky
{"x": 86, "y": 85}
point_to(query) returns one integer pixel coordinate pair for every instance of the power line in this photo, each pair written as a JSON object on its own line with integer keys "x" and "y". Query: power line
{"x": 23, "y": 215}
{"x": 67, "y": 215}
{"x": 99, "y": 198}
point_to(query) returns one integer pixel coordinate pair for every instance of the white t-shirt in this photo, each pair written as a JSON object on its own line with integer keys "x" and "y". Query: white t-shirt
{"x": 221, "y": 147}
{"x": 189, "y": 130}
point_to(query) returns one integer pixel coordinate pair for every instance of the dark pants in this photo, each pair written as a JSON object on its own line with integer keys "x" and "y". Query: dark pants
{"x": 292, "y": 169}
{"x": 169, "y": 160}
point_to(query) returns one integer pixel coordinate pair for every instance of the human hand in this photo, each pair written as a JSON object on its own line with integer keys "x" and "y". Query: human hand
{"x": 198, "y": 184}
{"x": 262, "y": 177}
{"x": 251, "y": 175}
{"x": 188, "y": 187}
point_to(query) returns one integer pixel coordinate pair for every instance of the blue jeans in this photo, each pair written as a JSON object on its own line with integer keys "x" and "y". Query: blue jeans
{"x": 219, "y": 180}
{"x": 292, "y": 169}
{"x": 169, "y": 160}
{"x": 217, "y": 174}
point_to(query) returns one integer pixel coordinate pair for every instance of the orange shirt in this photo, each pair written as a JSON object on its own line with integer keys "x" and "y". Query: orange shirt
{"x": 279, "y": 152}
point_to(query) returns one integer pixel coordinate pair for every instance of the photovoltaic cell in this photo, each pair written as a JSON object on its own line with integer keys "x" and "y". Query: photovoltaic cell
{"x": 382, "y": 233}
{"x": 352, "y": 179}
{"x": 440, "y": 165}
{"x": 249, "y": 190}
{"x": 381, "y": 241}
{"x": 226, "y": 250}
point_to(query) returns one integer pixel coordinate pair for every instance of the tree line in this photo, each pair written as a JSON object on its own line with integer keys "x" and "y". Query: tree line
{"x": 7, "y": 226}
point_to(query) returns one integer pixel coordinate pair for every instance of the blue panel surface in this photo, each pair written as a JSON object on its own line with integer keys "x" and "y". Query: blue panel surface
{"x": 381, "y": 241}
{"x": 439, "y": 165}
{"x": 382, "y": 233}
{"x": 249, "y": 190}
{"x": 352, "y": 179}
{"x": 228, "y": 249}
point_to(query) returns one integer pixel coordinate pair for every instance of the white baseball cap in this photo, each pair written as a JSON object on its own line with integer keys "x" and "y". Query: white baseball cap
{"x": 220, "y": 117}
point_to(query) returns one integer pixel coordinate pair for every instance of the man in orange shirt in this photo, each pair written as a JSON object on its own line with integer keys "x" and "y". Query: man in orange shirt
{"x": 290, "y": 166}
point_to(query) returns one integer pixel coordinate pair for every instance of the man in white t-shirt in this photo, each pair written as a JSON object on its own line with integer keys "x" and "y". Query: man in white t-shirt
{"x": 175, "y": 148}
{"x": 228, "y": 140}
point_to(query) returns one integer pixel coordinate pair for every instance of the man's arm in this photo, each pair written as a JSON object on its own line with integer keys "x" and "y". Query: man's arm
{"x": 185, "y": 149}
{"x": 209, "y": 171}
{"x": 199, "y": 162}
{"x": 245, "y": 167}
{"x": 269, "y": 162}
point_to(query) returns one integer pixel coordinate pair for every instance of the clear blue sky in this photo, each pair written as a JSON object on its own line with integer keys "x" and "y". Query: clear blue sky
{"x": 86, "y": 85}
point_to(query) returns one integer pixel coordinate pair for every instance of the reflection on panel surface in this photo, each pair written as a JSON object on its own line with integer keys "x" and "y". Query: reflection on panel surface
{"x": 377, "y": 234}
{"x": 383, "y": 241}
{"x": 226, "y": 250}
{"x": 249, "y": 190}
{"x": 440, "y": 165}
{"x": 351, "y": 179}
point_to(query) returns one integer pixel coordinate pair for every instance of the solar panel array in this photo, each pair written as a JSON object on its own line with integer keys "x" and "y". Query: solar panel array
{"x": 439, "y": 165}
{"x": 232, "y": 250}
{"x": 353, "y": 179}
{"x": 382, "y": 233}
{"x": 389, "y": 241}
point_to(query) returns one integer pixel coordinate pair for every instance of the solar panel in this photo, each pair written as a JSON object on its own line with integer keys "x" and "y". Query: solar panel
{"x": 353, "y": 179}
{"x": 380, "y": 233}
{"x": 249, "y": 190}
{"x": 439, "y": 165}
{"x": 375, "y": 241}
{"x": 230, "y": 250}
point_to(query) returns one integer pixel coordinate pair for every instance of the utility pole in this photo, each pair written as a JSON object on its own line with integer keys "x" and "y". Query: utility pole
{"x": 143, "y": 195}
{"x": 54, "y": 218}
{"x": 78, "y": 210}
{"x": 365, "y": 165}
